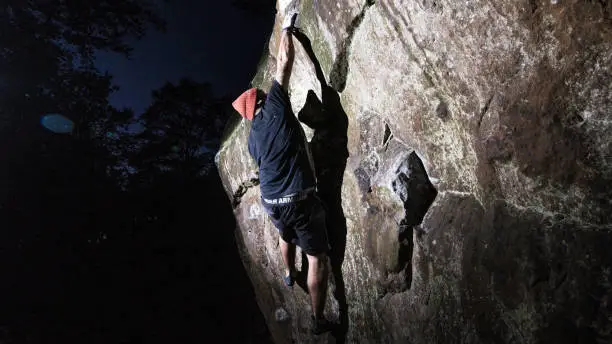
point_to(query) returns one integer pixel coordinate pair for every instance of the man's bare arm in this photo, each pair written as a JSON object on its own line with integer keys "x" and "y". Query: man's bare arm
{"x": 284, "y": 59}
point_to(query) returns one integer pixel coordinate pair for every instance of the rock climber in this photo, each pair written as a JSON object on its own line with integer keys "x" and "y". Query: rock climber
{"x": 287, "y": 181}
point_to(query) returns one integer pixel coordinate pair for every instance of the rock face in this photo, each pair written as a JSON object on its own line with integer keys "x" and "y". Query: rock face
{"x": 463, "y": 149}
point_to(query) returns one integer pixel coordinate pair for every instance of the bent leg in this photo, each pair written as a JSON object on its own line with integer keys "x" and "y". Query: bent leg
{"x": 317, "y": 282}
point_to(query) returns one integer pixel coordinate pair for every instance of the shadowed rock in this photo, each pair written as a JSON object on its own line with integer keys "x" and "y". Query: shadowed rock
{"x": 499, "y": 116}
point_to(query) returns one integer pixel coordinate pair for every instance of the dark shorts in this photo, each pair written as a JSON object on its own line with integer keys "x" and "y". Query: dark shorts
{"x": 301, "y": 223}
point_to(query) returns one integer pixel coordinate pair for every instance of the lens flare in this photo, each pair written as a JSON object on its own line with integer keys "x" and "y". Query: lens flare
{"x": 57, "y": 123}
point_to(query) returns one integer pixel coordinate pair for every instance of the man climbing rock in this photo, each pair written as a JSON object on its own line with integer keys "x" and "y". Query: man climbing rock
{"x": 287, "y": 180}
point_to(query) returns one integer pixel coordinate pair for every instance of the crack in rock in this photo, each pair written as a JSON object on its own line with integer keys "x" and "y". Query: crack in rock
{"x": 484, "y": 110}
{"x": 242, "y": 189}
{"x": 387, "y": 136}
{"x": 339, "y": 71}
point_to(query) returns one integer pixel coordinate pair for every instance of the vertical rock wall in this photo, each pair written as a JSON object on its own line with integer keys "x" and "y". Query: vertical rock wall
{"x": 474, "y": 205}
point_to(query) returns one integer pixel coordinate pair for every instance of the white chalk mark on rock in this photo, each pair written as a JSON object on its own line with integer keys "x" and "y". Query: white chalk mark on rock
{"x": 254, "y": 211}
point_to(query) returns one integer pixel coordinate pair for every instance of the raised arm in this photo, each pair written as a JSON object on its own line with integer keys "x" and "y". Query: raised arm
{"x": 284, "y": 59}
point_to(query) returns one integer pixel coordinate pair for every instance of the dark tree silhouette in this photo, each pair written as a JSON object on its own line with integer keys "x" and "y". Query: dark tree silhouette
{"x": 90, "y": 253}
{"x": 183, "y": 125}
{"x": 46, "y": 65}
{"x": 184, "y": 222}
{"x": 43, "y": 44}
{"x": 56, "y": 191}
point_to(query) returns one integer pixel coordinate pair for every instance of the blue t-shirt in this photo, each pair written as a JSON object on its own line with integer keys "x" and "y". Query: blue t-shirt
{"x": 278, "y": 145}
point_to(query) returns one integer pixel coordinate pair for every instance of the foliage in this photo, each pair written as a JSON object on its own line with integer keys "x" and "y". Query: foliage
{"x": 47, "y": 52}
{"x": 79, "y": 243}
{"x": 46, "y": 66}
{"x": 55, "y": 190}
{"x": 183, "y": 125}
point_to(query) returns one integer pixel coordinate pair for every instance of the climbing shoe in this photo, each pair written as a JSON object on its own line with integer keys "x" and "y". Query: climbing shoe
{"x": 288, "y": 280}
{"x": 321, "y": 325}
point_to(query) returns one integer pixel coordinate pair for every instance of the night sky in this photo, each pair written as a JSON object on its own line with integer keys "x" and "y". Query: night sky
{"x": 207, "y": 41}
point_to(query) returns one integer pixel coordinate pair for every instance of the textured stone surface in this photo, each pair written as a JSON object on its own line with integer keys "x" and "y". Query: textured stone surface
{"x": 502, "y": 112}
